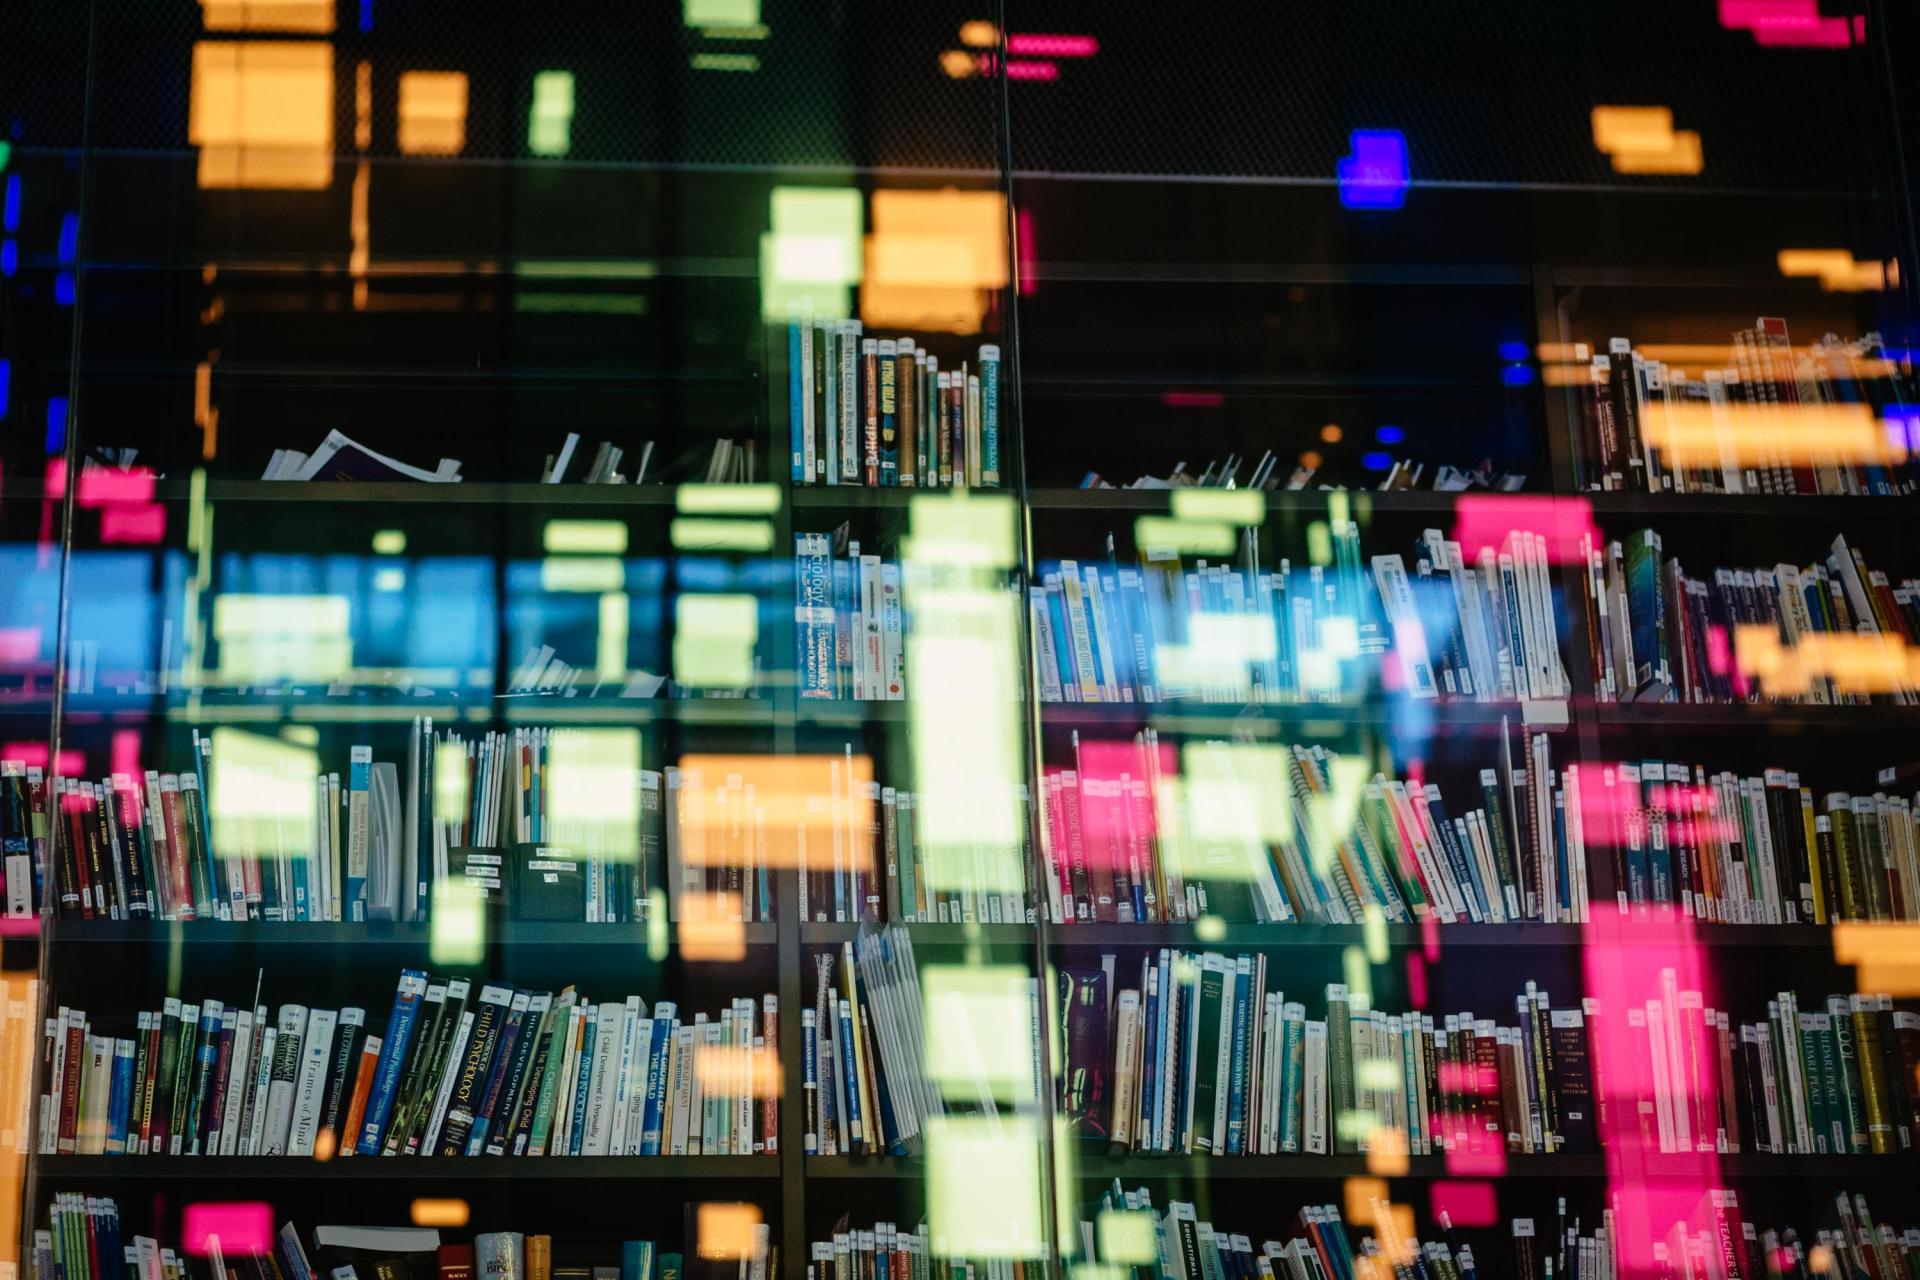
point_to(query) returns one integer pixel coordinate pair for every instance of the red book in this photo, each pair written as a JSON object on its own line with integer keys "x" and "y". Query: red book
{"x": 175, "y": 818}
{"x": 76, "y": 1033}
{"x": 456, "y": 1262}
{"x": 77, "y": 891}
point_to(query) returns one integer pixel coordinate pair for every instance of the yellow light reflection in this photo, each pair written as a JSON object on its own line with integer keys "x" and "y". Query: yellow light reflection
{"x": 693, "y": 533}
{"x": 1856, "y": 663}
{"x": 440, "y": 1213}
{"x": 1126, "y": 1238}
{"x": 727, "y": 499}
{"x": 1703, "y": 435}
{"x": 433, "y": 113}
{"x": 711, "y": 929}
{"x": 1226, "y": 506}
{"x": 262, "y": 800}
{"x": 1886, "y": 955}
{"x": 933, "y": 257}
{"x": 1839, "y": 271}
{"x": 781, "y": 791}
{"x": 264, "y": 638}
{"x": 979, "y": 1032}
{"x": 261, "y": 112}
{"x": 726, "y": 1230}
{"x": 722, "y": 1068}
{"x": 459, "y": 929}
{"x": 1643, "y": 140}
{"x": 595, "y": 798}
{"x": 983, "y": 1187}
{"x": 594, "y": 537}
{"x": 312, "y": 16}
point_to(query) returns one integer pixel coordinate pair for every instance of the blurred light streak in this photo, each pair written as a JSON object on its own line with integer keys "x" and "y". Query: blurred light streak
{"x": 932, "y": 258}
{"x": 711, "y": 929}
{"x": 6, "y": 384}
{"x": 595, "y": 537}
{"x": 314, "y": 17}
{"x": 1701, "y": 435}
{"x": 242, "y": 1227}
{"x": 1791, "y": 23}
{"x": 1375, "y": 175}
{"x": 1195, "y": 537}
{"x": 389, "y": 542}
{"x": 724, "y": 1068}
{"x": 1193, "y": 399}
{"x": 727, "y": 499}
{"x": 261, "y": 112}
{"x": 1465, "y": 1204}
{"x": 1464, "y": 1162}
{"x": 1643, "y": 140}
{"x": 19, "y": 645}
{"x": 725, "y": 1230}
{"x": 983, "y": 1186}
{"x": 440, "y": 1213}
{"x": 56, "y": 425}
{"x": 725, "y": 62}
{"x": 72, "y": 762}
{"x": 1861, "y": 662}
{"x": 785, "y": 790}
{"x": 1624, "y": 975}
{"x": 1029, "y": 257}
{"x": 812, "y": 255}
{"x": 1230, "y": 506}
{"x": 433, "y": 113}
{"x": 1026, "y": 69}
{"x": 1050, "y": 46}
{"x": 714, "y": 640}
{"x": 1887, "y": 955}
{"x": 1487, "y": 521}
{"x": 979, "y": 1032}
{"x": 958, "y": 64}
{"x": 10, "y": 211}
{"x": 1839, "y": 271}
{"x": 719, "y": 13}
{"x": 550, "y": 121}
{"x": 979, "y": 33}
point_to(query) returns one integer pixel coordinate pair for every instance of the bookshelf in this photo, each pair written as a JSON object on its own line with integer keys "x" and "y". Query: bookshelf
{"x": 619, "y": 292}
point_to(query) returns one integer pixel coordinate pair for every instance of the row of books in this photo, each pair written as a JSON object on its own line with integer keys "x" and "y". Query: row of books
{"x": 1760, "y": 849}
{"x": 1838, "y": 1080}
{"x": 1483, "y": 630}
{"x": 864, "y": 1082}
{"x": 1319, "y": 1247}
{"x": 1801, "y": 634}
{"x": 85, "y": 1239}
{"x": 1629, "y": 401}
{"x": 1714, "y": 1241}
{"x": 1400, "y": 475}
{"x": 887, "y": 1252}
{"x": 1127, "y": 839}
{"x": 506, "y": 1072}
{"x": 1202, "y": 1057}
{"x": 849, "y": 620}
{"x": 882, "y": 412}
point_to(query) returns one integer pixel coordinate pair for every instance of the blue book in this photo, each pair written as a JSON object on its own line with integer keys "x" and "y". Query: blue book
{"x": 1167, "y": 1029}
{"x": 989, "y": 415}
{"x": 359, "y": 797}
{"x": 813, "y": 586}
{"x": 1293, "y": 1052}
{"x": 659, "y": 1047}
{"x": 856, "y": 1130}
{"x": 842, "y": 626}
{"x": 1237, "y": 1079}
{"x": 809, "y": 1078}
{"x": 1639, "y": 876}
{"x": 796, "y": 404}
{"x": 1062, "y": 640}
{"x": 205, "y": 1059}
{"x": 636, "y": 1260}
{"x": 583, "y": 1077}
{"x": 880, "y": 1258}
{"x": 119, "y": 1097}
{"x": 1653, "y": 781}
{"x": 1089, "y": 602}
{"x": 407, "y": 998}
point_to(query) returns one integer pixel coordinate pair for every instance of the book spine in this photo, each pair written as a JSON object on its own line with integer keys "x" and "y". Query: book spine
{"x": 412, "y": 989}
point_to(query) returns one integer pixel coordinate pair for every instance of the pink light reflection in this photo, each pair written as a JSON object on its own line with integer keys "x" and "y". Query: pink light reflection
{"x": 238, "y": 1227}
{"x": 33, "y": 754}
{"x": 19, "y": 646}
{"x": 1623, "y": 974}
{"x": 1791, "y": 23}
{"x": 1466, "y": 1204}
{"x": 1050, "y": 46}
{"x": 1465, "y": 1162}
{"x": 1416, "y": 981}
{"x": 1488, "y": 520}
{"x": 1193, "y": 399}
{"x": 1027, "y": 70}
{"x": 125, "y": 752}
{"x": 1029, "y": 260}
{"x": 139, "y": 526}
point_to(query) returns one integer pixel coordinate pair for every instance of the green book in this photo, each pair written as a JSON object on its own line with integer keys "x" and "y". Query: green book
{"x": 550, "y": 1078}
{"x": 1292, "y": 1071}
{"x": 1340, "y": 1068}
{"x": 1206, "y": 1053}
{"x": 1848, "y": 1070}
{"x": 1831, "y": 1094}
{"x": 1816, "y": 1094}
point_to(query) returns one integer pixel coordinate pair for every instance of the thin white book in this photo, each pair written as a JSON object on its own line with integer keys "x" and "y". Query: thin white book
{"x": 682, "y": 1088}
{"x": 608, "y": 1036}
{"x": 316, "y": 1054}
{"x": 449, "y": 1077}
{"x": 239, "y": 1076}
{"x": 633, "y": 1015}
{"x": 260, "y": 1085}
{"x": 1314, "y": 1090}
{"x": 559, "y": 469}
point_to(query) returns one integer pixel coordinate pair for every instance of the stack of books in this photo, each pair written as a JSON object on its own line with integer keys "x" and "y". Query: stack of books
{"x": 85, "y": 1239}
{"x": 503, "y": 1072}
{"x": 883, "y": 413}
{"x": 849, "y": 625}
{"x": 24, "y": 837}
{"x": 1483, "y": 631}
{"x": 864, "y": 1080}
{"x": 1836, "y": 632}
{"x": 1837, "y": 1080}
{"x": 1129, "y": 840}
{"x": 1761, "y": 849}
{"x": 1628, "y": 400}
{"x": 1201, "y": 1057}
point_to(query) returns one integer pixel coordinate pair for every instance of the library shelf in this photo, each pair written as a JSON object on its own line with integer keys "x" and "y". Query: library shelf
{"x": 1398, "y": 937}
{"x": 1101, "y": 1167}
{"x": 1360, "y": 502}
{"x": 1737, "y": 717}
{"x": 1267, "y": 718}
{"x": 389, "y": 935}
{"x": 925, "y": 934}
{"x": 169, "y": 1170}
{"x": 1658, "y": 507}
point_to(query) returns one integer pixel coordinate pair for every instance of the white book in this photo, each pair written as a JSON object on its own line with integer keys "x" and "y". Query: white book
{"x": 316, "y": 1055}
{"x": 696, "y": 1093}
{"x": 1314, "y": 1091}
{"x": 1656, "y": 1022}
{"x": 1231, "y": 976}
{"x": 1125, "y": 1075}
{"x": 1403, "y": 615}
{"x": 95, "y": 1085}
{"x": 260, "y": 1085}
{"x": 609, "y": 1034}
{"x": 640, "y": 1030}
{"x": 559, "y": 469}
{"x": 623, "y": 1084}
{"x": 292, "y": 1023}
{"x": 239, "y": 1076}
